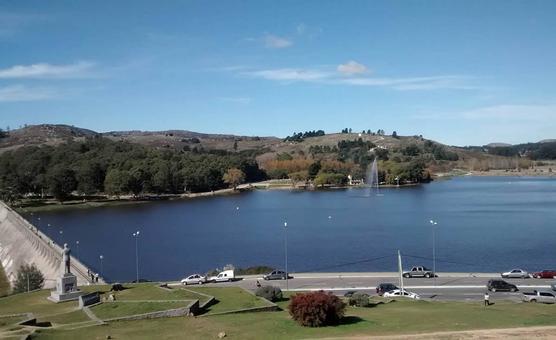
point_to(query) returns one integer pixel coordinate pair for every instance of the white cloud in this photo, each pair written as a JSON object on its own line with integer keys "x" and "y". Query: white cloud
{"x": 398, "y": 83}
{"x": 289, "y": 74}
{"x": 273, "y": 41}
{"x": 301, "y": 28}
{"x": 238, "y": 100}
{"x": 20, "y": 93}
{"x": 352, "y": 68}
{"x": 44, "y": 70}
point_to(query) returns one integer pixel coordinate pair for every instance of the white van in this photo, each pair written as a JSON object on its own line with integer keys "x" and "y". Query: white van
{"x": 225, "y": 276}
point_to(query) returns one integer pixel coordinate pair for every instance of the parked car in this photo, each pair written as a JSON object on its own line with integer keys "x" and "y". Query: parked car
{"x": 385, "y": 288}
{"x": 398, "y": 293}
{"x": 545, "y": 274}
{"x": 536, "y": 296}
{"x": 501, "y": 285}
{"x": 195, "y": 279}
{"x": 277, "y": 275}
{"x": 515, "y": 274}
{"x": 225, "y": 276}
{"x": 419, "y": 271}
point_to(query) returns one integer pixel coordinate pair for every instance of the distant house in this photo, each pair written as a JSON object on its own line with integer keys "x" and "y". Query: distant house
{"x": 352, "y": 181}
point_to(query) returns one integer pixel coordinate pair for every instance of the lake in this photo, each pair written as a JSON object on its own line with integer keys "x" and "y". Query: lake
{"x": 485, "y": 224}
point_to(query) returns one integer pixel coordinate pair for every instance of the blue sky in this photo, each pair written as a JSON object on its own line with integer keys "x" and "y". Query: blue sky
{"x": 460, "y": 72}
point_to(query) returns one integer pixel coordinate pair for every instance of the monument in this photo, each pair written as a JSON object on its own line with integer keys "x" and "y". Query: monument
{"x": 66, "y": 284}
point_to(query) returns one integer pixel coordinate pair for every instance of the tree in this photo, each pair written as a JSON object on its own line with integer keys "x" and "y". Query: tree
{"x": 29, "y": 278}
{"x": 394, "y": 134}
{"x": 90, "y": 178}
{"x": 234, "y": 177}
{"x": 61, "y": 182}
{"x": 116, "y": 182}
{"x": 299, "y": 176}
{"x": 314, "y": 169}
{"x": 349, "y": 130}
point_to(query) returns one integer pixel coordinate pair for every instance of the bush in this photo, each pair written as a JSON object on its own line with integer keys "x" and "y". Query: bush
{"x": 29, "y": 278}
{"x": 359, "y": 299}
{"x": 270, "y": 293}
{"x": 316, "y": 309}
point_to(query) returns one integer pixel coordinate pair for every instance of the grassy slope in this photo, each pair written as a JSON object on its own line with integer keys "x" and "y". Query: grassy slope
{"x": 117, "y": 309}
{"x": 146, "y": 291}
{"x": 230, "y": 298}
{"x": 393, "y": 318}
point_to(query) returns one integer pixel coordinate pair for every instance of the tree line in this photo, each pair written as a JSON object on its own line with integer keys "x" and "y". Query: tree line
{"x": 300, "y": 136}
{"x": 98, "y": 166}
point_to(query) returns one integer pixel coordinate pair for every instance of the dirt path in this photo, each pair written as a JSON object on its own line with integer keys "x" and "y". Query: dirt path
{"x": 538, "y": 333}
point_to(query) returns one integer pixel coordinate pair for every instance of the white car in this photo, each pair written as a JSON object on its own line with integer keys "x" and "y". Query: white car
{"x": 516, "y": 274}
{"x": 398, "y": 293}
{"x": 225, "y": 276}
{"x": 194, "y": 279}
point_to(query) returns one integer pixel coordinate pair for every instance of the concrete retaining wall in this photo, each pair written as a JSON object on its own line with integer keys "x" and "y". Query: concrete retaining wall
{"x": 21, "y": 242}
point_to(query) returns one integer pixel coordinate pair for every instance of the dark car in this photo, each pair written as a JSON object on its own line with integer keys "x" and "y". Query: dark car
{"x": 276, "y": 275}
{"x": 385, "y": 287}
{"x": 501, "y": 285}
{"x": 545, "y": 274}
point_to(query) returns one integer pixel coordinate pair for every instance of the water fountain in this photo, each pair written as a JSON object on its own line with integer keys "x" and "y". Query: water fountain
{"x": 372, "y": 178}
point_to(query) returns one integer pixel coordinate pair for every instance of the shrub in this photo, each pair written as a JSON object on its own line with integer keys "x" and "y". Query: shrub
{"x": 29, "y": 278}
{"x": 316, "y": 309}
{"x": 359, "y": 299}
{"x": 270, "y": 293}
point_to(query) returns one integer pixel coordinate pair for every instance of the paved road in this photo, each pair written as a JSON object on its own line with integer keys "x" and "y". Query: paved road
{"x": 448, "y": 286}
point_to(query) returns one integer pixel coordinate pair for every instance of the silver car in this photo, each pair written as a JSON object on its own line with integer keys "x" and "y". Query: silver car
{"x": 536, "y": 296}
{"x": 516, "y": 274}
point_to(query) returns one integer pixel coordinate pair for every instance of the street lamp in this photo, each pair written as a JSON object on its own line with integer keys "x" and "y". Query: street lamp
{"x": 286, "y": 252}
{"x": 76, "y": 248}
{"x": 101, "y": 257}
{"x": 136, "y": 236}
{"x": 434, "y": 223}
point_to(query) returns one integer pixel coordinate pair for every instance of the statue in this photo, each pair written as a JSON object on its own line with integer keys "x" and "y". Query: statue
{"x": 66, "y": 284}
{"x": 66, "y": 259}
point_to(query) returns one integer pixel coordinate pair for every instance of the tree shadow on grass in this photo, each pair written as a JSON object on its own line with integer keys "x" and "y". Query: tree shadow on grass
{"x": 350, "y": 320}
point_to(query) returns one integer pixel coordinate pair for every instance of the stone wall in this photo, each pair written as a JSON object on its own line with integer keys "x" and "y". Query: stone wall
{"x": 21, "y": 242}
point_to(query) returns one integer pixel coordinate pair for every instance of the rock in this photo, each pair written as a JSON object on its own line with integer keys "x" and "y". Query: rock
{"x": 221, "y": 335}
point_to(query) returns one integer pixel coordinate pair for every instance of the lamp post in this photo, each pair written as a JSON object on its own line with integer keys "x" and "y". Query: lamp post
{"x": 286, "y": 252}
{"x": 136, "y": 236}
{"x": 434, "y": 223}
{"x": 101, "y": 257}
{"x": 76, "y": 248}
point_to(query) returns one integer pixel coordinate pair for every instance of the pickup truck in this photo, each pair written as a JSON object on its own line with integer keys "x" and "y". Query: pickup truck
{"x": 536, "y": 296}
{"x": 419, "y": 271}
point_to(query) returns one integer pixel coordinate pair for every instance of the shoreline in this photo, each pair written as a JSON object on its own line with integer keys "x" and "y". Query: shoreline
{"x": 42, "y": 205}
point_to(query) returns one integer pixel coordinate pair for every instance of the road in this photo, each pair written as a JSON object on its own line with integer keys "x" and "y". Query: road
{"x": 448, "y": 286}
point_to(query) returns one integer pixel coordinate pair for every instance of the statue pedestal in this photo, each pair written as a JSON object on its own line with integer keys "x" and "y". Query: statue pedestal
{"x": 66, "y": 289}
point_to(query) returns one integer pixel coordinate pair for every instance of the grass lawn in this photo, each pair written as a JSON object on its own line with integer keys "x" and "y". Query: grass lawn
{"x": 66, "y": 318}
{"x": 36, "y": 303}
{"x": 393, "y": 318}
{"x": 230, "y": 298}
{"x": 4, "y": 284}
{"x": 146, "y": 291}
{"x": 117, "y": 309}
